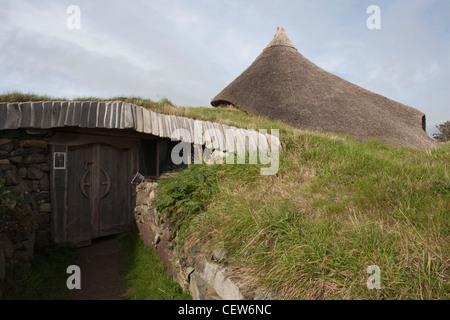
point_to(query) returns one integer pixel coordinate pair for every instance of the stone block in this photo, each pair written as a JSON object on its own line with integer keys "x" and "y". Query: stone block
{"x": 225, "y": 287}
{"x": 16, "y": 160}
{"x": 7, "y": 147}
{"x": 29, "y": 151}
{"x": 41, "y": 144}
{"x": 43, "y": 217}
{"x": 7, "y": 245}
{"x": 5, "y": 167}
{"x": 11, "y": 177}
{"x": 218, "y": 253}
{"x": 141, "y": 198}
{"x": 42, "y": 196}
{"x": 25, "y": 186}
{"x": 45, "y": 207}
{"x": 197, "y": 287}
{"x": 17, "y": 152}
{"x": 22, "y": 173}
{"x": 262, "y": 294}
{"x": 5, "y": 141}
{"x": 35, "y": 159}
{"x": 33, "y": 173}
{"x": 36, "y": 186}
{"x": 45, "y": 182}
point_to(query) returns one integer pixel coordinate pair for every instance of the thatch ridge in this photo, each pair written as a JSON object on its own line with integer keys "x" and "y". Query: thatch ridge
{"x": 282, "y": 84}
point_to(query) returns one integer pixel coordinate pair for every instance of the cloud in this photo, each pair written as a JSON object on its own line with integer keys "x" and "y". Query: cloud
{"x": 189, "y": 51}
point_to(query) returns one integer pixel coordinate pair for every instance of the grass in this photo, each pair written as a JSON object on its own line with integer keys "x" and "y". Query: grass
{"x": 45, "y": 278}
{"x": 146, "y": 277}
{"x": 335, "y": 207}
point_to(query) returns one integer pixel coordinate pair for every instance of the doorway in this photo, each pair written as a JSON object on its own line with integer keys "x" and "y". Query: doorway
{"x": 98, "y": 192}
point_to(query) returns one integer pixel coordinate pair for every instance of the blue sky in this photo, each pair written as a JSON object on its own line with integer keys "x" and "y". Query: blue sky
{"x": 188, "y": 51}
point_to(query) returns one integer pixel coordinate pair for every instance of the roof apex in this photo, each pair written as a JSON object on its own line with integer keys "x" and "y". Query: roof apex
{"x": 281, "y": 39}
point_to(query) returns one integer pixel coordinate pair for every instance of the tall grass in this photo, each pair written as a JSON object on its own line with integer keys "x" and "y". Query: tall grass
{"x": 335, "y": 208}
{"x": 146, "y": 277}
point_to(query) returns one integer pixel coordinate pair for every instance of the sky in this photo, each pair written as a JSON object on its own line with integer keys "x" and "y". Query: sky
{"x": 188, "y": 51}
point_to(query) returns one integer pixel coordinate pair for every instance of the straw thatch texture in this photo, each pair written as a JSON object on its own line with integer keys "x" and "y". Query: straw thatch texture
{"x": 282, "y": 84}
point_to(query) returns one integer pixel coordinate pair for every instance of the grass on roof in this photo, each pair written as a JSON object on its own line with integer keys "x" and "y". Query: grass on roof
{"x": 232, "y": 117}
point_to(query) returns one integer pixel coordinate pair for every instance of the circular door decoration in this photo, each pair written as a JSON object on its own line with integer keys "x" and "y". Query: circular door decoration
{"x": 84, "y": 183}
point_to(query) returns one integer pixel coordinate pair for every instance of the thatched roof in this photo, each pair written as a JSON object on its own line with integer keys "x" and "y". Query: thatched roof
{"x": 282, "y": 84}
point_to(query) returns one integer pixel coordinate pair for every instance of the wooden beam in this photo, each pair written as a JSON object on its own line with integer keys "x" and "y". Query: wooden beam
{"x": 157, "y": 158}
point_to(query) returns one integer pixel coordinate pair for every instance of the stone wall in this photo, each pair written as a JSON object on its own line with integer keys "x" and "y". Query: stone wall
{"x": 25, "y": 166}
{"x": 206, "y": 277}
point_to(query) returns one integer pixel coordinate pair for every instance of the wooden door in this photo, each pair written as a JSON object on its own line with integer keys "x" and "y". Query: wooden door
{"x": 98, "y": 193}
{"x": 77, "y": 224}
{"x": 113, "y": 208}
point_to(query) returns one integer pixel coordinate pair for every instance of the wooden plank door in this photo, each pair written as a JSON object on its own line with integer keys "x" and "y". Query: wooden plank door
{"x": 98, "y": 194}
{"x": 114, "y": 193}
{"x": 77, "y": 224}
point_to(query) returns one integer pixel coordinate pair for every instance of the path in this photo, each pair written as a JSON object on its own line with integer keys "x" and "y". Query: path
{"x": 100, "y": 266}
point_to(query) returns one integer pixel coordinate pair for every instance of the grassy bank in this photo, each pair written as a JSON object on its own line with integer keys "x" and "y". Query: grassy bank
{"x": 335, "y": 208}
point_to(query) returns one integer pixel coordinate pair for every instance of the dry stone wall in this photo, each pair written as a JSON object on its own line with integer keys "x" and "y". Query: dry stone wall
{"x": 25, "y": 167}
{"x": 204, "y": 278}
